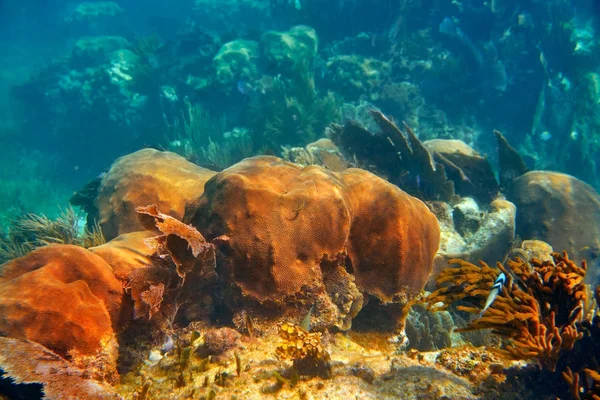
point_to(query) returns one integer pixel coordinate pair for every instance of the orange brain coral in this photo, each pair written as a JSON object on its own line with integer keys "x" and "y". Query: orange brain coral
{"x": 287, "y": 225}
{"x": 61, "y": 296}
{"x": 146, "y": 177}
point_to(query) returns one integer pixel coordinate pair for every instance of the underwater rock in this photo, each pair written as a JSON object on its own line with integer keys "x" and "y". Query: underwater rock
{"x": 63, "y": 297}
{"x": 290, "y": 228}
{"x": 90, "y": 12}
{"x": 218, "y": 341}
{"x": 529, "y": 249}
{"x": 26, "y": 362}
{"x": 560, "y": 210}
{"x": 323, "y": 152}
{"x": 427, "y": 330}
{"x": 494, "y": 237}
{"x": 471, "y": 173}
{"x": 146, "y": 177}
{"x": 451, "y": 241}
{"x": 467, "y": 217}
{"x": 235, "y": 61}
{"x": 474, "y": 232}
{"x": 511, "y": 163}
{"x": 354, "y": 75}
{"x": 89, "y": 51}
{"x": 287, "y": 51}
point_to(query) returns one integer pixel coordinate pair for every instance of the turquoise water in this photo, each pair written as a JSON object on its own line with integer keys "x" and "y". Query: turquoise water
{"x": 71, "y": 105}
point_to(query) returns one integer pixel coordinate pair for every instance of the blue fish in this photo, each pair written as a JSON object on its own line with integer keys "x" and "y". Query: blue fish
{"x": 496, "y": 289}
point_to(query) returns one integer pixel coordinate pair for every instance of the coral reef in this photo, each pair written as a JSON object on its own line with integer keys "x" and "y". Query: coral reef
{"x": 87, "y": 12}
{"x": 322, "y": 152}
{"x": 560, "y": 210}
{"x": 32, "y": 231}
{"x": 218, "y": 341}
{"x": 305, "y": 350}
{"x": 291, "y": 112}
{"x": 86, "y": 302}
{"x": 471, "y": 173}
{"x": 285, "y": 51}
{"x": 511, "y": 164}
{"x": 295, "y": 233}
{"x": 236, "y": 61}
{"x": 146, "y": 177}
{"x": 539, "y": 319}
{"x": 90, "y": 50}
{"x": 354, "y": 75}
{"x": 389, "y": 153}
{"x": 126, "y": 253}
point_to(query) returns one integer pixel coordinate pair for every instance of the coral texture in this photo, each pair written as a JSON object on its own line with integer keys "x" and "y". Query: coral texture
{"x": 64, "y": 287}
{"x": 146, "y": 177}
{"x": 560, "y": 210}
{"x": 289, "y": 227}
{"x": 125, "y": 253}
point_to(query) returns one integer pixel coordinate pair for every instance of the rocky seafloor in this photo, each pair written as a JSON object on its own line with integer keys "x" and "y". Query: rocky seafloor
{"x": 306, "y": 280}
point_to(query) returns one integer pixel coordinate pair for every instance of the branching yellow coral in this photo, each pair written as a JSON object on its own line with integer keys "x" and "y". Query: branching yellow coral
{"x": 538, "y": 314}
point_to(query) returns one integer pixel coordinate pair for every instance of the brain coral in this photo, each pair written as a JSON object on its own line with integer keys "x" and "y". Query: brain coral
{"x": 560, "y": 210}
{"x": 146, "y": 177}
{"x": 291, "y": 229}
{"x": 63, "y": 297}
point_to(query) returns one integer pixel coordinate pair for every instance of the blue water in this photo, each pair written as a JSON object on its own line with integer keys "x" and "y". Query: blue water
{"x": 452, "y": 69}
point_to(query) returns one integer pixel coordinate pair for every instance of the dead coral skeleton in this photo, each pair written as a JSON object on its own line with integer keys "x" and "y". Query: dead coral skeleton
{"x": 182, "y": 259}
{"x": 537, "y": 311}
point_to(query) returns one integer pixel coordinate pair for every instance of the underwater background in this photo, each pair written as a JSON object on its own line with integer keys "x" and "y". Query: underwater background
{"x": 300, "y": 199}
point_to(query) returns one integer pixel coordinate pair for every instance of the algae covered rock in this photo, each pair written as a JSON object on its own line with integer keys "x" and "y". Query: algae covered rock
{"x": 236, "y": 60}
{"x": 471, "y": 173}
{"x": 305, "y": 234}
{"x": 354, "y": 75}
{"x": 287, "y": 50}
{"x": 91, "y": 50}
{"x": 560, "y": 210}
{"x": 146, "y": 177}
{"x": 474, "y": 231}
{"x": 88, "y": 12}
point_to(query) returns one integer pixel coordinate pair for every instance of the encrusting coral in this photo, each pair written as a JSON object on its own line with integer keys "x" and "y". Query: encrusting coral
{"x": 304, "y": 349}
{"x": 537, "y": 311}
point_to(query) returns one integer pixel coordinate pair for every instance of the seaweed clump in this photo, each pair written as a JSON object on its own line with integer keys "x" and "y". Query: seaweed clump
{"x": 538, "y": 311}
{"x": 32, "y": 231}
{"x": 305, "y": 350}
